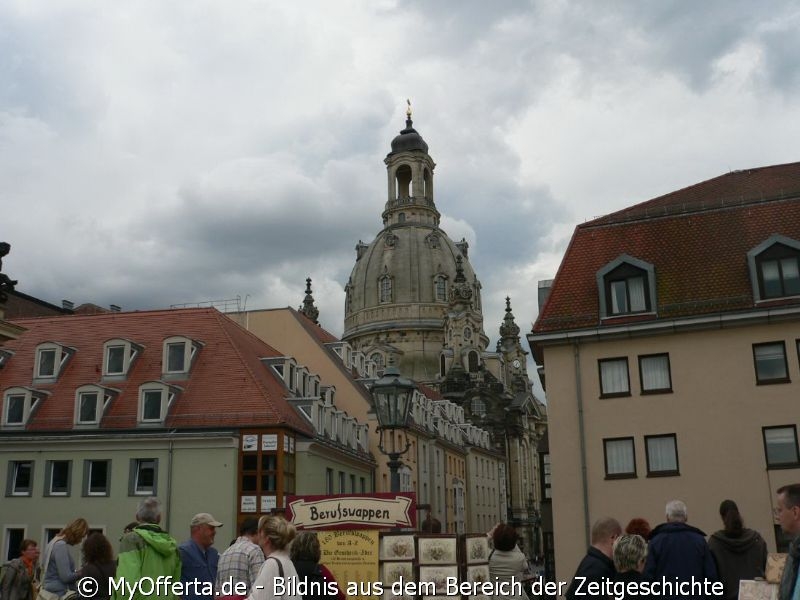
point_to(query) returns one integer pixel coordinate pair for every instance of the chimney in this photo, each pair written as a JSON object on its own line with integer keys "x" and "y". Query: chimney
{"x": 68, "y": 304}
{"x": 114, "y": 308}
{"x": 544, "y": 291}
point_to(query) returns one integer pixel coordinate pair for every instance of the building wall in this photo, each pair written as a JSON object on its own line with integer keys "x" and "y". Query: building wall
{"x": 716, "y": 410}
{"x": 280, "y": 329}
{"x": 202, "y": 478}
{"x": 483, "y": 497}
{"x": 313, "y": 460}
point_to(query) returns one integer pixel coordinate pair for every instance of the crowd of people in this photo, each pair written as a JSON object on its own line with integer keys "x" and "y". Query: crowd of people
{"x": 192, "y": 570}
{"x": 676, "y": 551}
{"x": 270, "y": 548}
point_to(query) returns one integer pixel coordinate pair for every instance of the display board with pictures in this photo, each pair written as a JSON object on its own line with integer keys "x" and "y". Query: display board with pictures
{"x": 437, "y": 549}
{"x": 476, "y": 560}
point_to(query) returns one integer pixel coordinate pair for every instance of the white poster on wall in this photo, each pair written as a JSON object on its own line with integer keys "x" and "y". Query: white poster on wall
{"x": 269, "y": 442}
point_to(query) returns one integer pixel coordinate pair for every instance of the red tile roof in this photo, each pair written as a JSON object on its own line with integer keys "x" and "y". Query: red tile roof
{"x": 696, "y": 238}
{"x": 321, "y": 334}
{"x": 228, "y": 386}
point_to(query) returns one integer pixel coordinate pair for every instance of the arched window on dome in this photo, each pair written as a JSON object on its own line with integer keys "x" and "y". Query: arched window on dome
{"x": 472, "y": 361}
{"x": 385, "y": 289}
{"x": 403, "y": 181}
{"x": 426, "y": 184}
{"x": 442, "y": 365}
{"x": 401, "y": 217}
{"x": 440, "y": 288}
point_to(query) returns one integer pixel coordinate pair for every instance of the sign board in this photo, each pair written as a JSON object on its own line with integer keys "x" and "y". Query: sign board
{"x": 353, "y": 511}
{"x": 352, "y": 557}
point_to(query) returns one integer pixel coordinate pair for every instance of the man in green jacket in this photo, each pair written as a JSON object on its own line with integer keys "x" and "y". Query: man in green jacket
{"x": 149, "y": 563}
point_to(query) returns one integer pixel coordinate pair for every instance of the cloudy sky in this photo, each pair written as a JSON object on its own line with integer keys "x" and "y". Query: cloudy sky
{"x": 156, "y": 153}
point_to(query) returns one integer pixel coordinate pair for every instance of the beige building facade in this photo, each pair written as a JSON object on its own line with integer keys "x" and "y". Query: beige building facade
{"x": 670, "y": 348}
{"x": 440, "y": 441}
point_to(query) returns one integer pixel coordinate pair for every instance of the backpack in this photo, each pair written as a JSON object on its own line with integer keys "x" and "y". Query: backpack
{"x": 7, "y": 571}
{"x": 317, "y": 581}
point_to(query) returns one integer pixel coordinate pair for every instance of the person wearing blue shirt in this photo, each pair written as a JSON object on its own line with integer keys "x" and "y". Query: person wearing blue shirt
{"x": 199, "y": 558}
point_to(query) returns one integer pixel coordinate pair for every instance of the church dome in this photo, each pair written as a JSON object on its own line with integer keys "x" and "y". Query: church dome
{"x": 409, "y": 139}
{"x": 399, "y": 291}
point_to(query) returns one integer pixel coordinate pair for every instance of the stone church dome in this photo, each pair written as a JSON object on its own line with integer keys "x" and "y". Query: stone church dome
{"x": 398, "y": 292}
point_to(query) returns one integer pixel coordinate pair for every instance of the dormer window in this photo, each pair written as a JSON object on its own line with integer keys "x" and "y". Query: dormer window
{"x": 50, "y": 361}
{"x": 5, "y": 356}
{"x": 627, "y": 286}
{"x": 155, "y": 399}
{"x": 118, "y": 356}
{"x": 775, "y": 268}
{"x": 91, "y": 403}
{"x": 18, "y": 405}
{"x": 179, "y": 355}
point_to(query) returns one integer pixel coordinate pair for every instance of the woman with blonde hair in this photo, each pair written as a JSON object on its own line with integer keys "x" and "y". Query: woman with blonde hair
{"x": 59, "y": 568}
{"x": 274, "y": 535}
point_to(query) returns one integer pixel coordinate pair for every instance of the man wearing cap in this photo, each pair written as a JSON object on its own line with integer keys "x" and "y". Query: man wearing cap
{"x": 241, "y": 562}
{"x": 199, "y": 558}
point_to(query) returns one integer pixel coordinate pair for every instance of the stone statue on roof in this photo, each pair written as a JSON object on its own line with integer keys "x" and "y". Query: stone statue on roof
{"x": 6, "y": 283}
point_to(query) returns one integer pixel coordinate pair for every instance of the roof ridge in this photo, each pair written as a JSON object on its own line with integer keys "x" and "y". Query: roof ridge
{"x": 667, "y": 208}
{"x": 115, "y": 315}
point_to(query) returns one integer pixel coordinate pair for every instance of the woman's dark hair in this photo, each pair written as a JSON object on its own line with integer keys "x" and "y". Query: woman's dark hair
{"x": 97, "y": 549}
{"x": 731, "y": 518}
{"x": 305, "y": 546}
{"x": 638, "y": 526}
{"x": 504, "y": 537}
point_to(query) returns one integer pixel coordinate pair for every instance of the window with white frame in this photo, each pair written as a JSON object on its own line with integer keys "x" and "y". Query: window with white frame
{"x": 51, "y": 358}
{"x": 91, "y": 402}
{"x": 19, "y": 404}
{"x": 662, "y": 455}
{"x": 12, "y": 543}
{"x": 15, "y": 409}
{"x": 20, "y": 478}
{"x": 118, "y": 356}
{"x": 620, "y": 458}
{"x": 780, "y": 446}
{"x": 770, "y": 363}
{"x": 179, "y": 355}
{"x": 96, "y": 477}
{"x": 654, "y": 373}
{"x": 58, "y": 476}
{"x": 614, "y": 377}
{"x": 143, "y": 477}
{"x": 627, "y": 286}
{"x": 155, "y": 399}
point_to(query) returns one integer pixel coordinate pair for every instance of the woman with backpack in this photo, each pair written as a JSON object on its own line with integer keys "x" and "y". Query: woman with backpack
{"x": 21, "y": 575}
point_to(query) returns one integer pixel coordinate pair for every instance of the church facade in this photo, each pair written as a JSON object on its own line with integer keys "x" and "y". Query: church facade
{"x": 414, "y": 298}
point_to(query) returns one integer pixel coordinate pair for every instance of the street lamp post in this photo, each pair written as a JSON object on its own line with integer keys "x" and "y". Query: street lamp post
{"x": 392, "y": 394}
